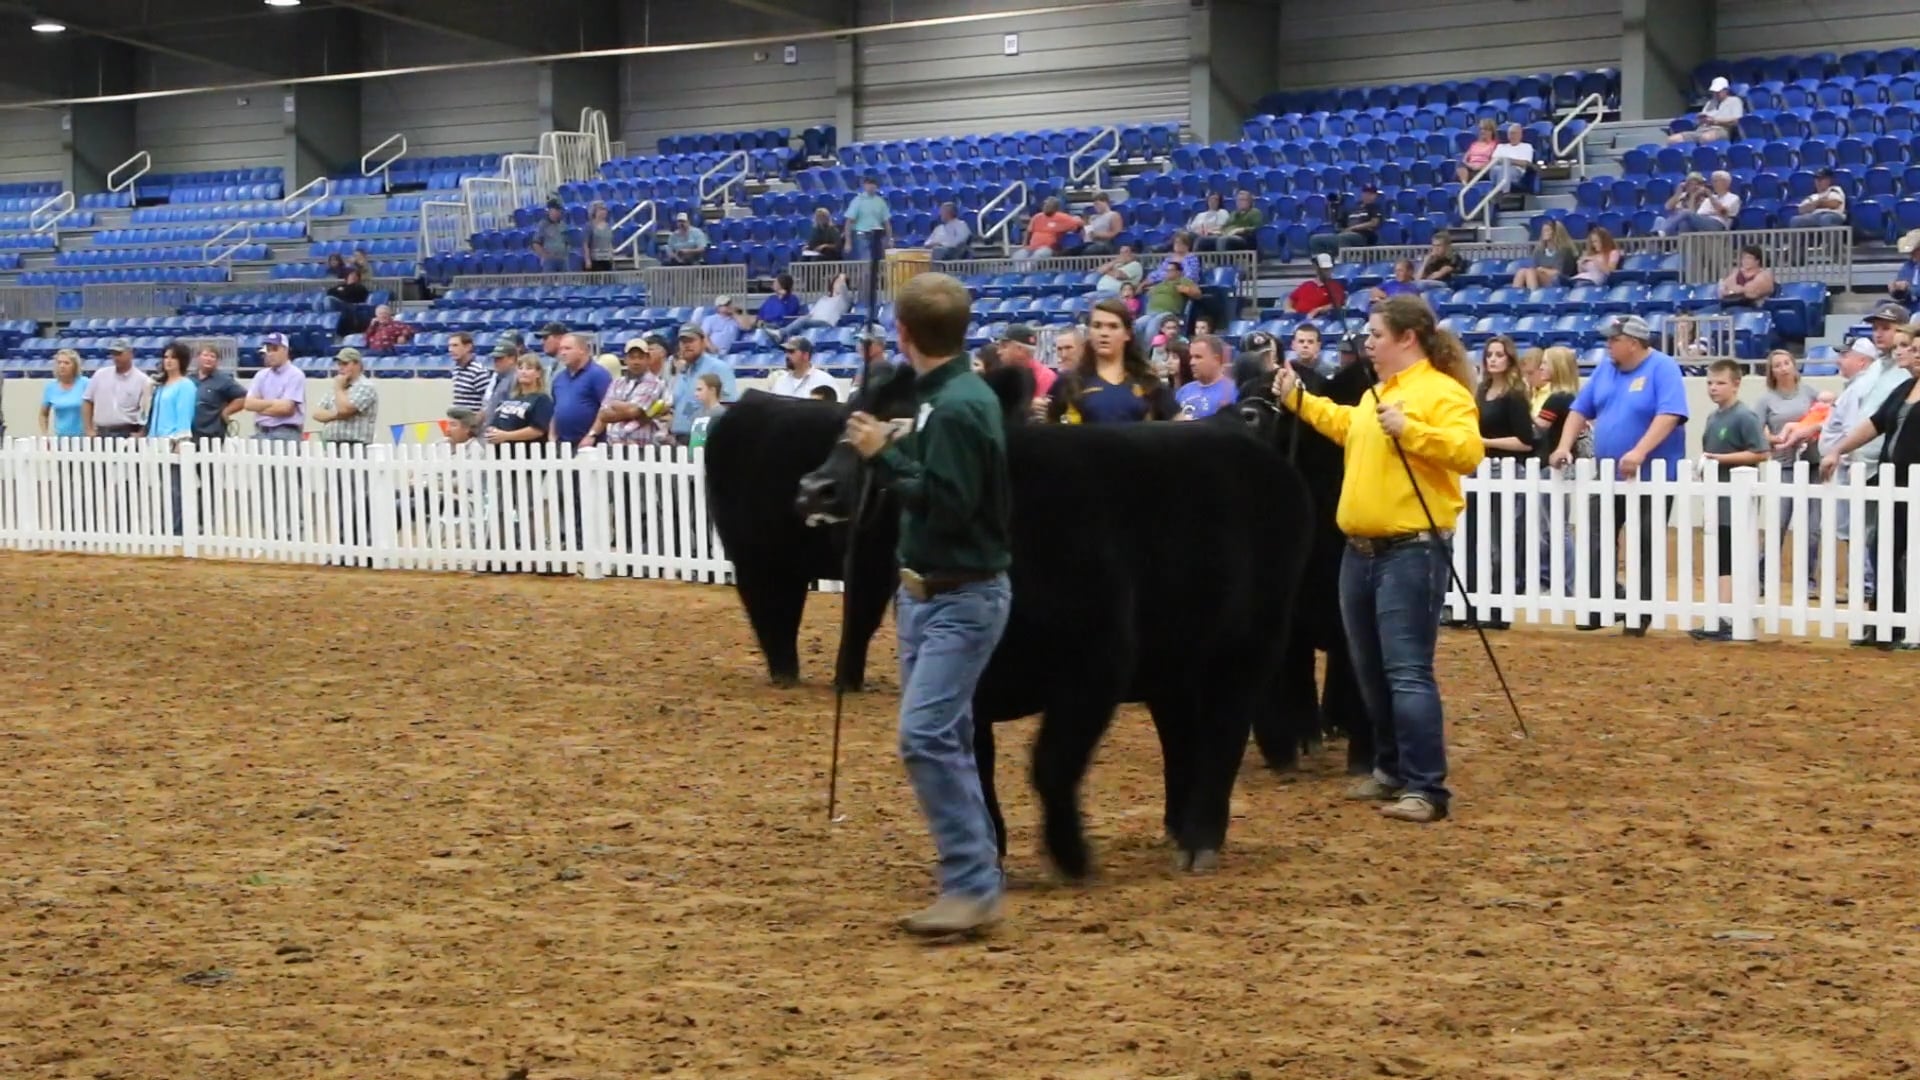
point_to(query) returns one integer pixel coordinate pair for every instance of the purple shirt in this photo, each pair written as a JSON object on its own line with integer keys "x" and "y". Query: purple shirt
{"x": 286, "y": 382}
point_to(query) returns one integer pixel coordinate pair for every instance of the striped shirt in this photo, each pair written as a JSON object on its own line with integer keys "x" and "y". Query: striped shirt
{"x": 471, "y": 381}
{"x": 360, "y": 427}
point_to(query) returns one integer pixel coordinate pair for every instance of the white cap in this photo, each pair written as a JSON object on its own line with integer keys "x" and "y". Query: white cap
{"x": 1719, "y": 83}
{"x": 723, "y": 301}
{"x": 634, "y": 343}
{"x": 1864, "y": 347}
{"x": 1323, "y": 260}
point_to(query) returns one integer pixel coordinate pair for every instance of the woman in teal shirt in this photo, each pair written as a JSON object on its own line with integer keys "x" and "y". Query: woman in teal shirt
{"x": 60, "y": 401}
{"x": 173, "y": 403}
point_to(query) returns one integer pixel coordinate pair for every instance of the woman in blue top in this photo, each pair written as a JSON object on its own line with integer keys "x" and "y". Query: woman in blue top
{"x": 173, "y": 403}
{"x": 60, "y": 401}
{"x": 1113, "y": 383}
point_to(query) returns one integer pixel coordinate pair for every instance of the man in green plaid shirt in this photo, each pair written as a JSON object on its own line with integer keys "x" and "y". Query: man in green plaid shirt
{"x": 350, "y": 405}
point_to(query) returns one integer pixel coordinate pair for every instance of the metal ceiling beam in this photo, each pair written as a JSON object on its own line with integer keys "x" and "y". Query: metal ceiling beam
{"x": 366, "y": 8}
{"x": 146, "y": 44}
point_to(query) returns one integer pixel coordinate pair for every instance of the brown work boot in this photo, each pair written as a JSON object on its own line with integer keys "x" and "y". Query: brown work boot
{"x": 952, "y": 914}
{"x": 1370, "y": 789}
{"x": 1415, "y": 808}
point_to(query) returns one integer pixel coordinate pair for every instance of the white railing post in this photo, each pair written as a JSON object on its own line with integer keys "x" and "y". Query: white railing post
{"x": 291, "y": 207}
{"x": 28, "y": 455}
{"x": 1015, "y": 196}
{"x": 594, "y": 122}
{"x": 1593, "y": 109}
{"x": 59, "y": 207}
{"x": 445, "y": 227}
{"x": 646, "y": 227}
{"x": 207, "y": 252}
{"x": 190, "y": 523}
{"x": 730, "y": 178}
{"x": 535, "y": 177}
{"x": 1742, "y": 485}
{"x": 125, "y": 174}
{"x": 596, "y": 500}
{"x": 382, "y": 529}
{"x": 371, "y": 162}
{"x": 1095, "y": 155}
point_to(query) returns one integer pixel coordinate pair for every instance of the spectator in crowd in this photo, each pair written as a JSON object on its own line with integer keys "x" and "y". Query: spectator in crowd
{"x": 1069, "y": 345}
{"x": 1895, "y": 425}
{"x": 599, "y": 238}
{"x": 1172, "y": 289}
{"x": 707, "y": 408}
{"x": 1507, "y": 434}
{"x": 950, "y": 238}
{"x": 687, "y": 244}
{"x": 832, "y": 306}
{"x": 1401, "y": 282}
{"x": 1103, "y": 227}
{"x": 1017, "y": 346}
{"x": 1784, "y": 406}
{"x": 579, "y": 386}
{"x": 1734, "y": 438}
{"x": 1171, "y": 360}
{"x": 504, "y": 380}
{"x": 1825, "y": 208}
{"x": 1208, "y": 222}
{"x": 1478, "y": 153}
{"x": 349, "y": 406}
{"x": 869, "y": 222}
{"x": 550, "y": 240}
{"x": 1238, "y": 233}
{"x": 1112, "y": 383}
{"x": 872, "y": 344}
{"x": 551, "y": 336}
{"x": 1442, "y": 265}
{"x": 387, "y": 333}
{"x": 336, "y": 267}
{"x": 1320, "y": 295}
{"x": 694, "y": 361}
{"x": 61, "y": 399}
{"x": 1903, "y": 288}
{"x": 1600, "y": 258}
{"x": 278, "y": 396}
{"x": 986, "y": 358}
{"x": 782, "y": 307}
{"x": 722, "y": 327}
{"x": 1697, "y": 207}
{"x": 1123, "y": 269}
{"x": 1129, "y": 295}
{"x": 526, "y": 414}
{"x": 218, "y": 396}
{"x": 801, "y": 375}
{"x": 1308, "y": 350}
{"x": 1718, "y": 120}
{"x": 1556, "y": 384}
{"x": 1045, "y": 231}
{"x": 1636, "y": 403}
{"x": 346, "y": 298}
{"x": 1554, "y": 261}
{"x": 1749, "y": 283}
{"x": 634, "y": 412}
{"x": 1210, "y": 391}
{"x": 471, "y": 379}
{"x": 1872, "y": 375}
{"x": 824, "y": 241}
{"x": 1513, "y": 159}
{"x": 1355, "y": 224}
{"x": 1259, "y": 355}
{"x": 173, "y": 400}
{"x": 824, "y": 393}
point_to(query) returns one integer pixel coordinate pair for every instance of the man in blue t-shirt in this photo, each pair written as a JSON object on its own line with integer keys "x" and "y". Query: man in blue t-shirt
{"x": 1637, "y": 406}
{"x": 579, "y": 386}
{"x": 1210, "y": 391}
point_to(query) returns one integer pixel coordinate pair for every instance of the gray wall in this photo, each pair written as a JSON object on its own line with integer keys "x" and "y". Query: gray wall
{"x": 1662, "y": 41}
{"x": 1073, "y": 69}
{"x": 32, "y": 146}
{"x": 209, "y": 131}
{"x": 1364, "y": 42}
{"x": 1241, "y": 65}
{"x": 326, "y": 135}
{"x": 485, "y": 110}
{"x": 1774, "y": 27}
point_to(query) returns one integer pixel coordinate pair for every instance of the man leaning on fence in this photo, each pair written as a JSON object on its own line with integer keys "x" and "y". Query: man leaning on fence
{"x": 1636, "y": 404}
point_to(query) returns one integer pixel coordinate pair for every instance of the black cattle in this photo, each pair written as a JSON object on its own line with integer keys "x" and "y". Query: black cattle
{"x": 1152, "y": 563}
{"x": 1281, "y": 734}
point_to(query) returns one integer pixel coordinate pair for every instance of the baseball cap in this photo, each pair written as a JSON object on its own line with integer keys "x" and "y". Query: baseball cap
{"x": 348, "y": 355}
{"x": 553, "y": 328}
{"x": 1370, "y": 186}
{"x": 513, "y": 336}
{"x": 269, "y": 341}
{"x": 723, "y": 301}
{"x": 503, "y": 347}
{"x": 1719, "y": 83}
{"x": 1632, "y": 326}
{"x": 681, "y": 216}
{"x": 1323, "y": 260}
{"x": 1258, "y": 341}
{"x": 1889, "y": 311}
{"x": 691, "y": 331}
{"x": 657, "y": 338}
{"x": 634, "y": 343}
{"x": 1864, "y": 347}
{"x": 1019, "y": 334}
{"x": 120, "y": 345}
{"x": 797, "y": 342}
{"x": 464, "y": 416}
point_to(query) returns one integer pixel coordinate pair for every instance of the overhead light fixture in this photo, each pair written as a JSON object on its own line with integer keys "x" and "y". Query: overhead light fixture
{"x": 283, "y": 3}
{"x": 48, "y": 26}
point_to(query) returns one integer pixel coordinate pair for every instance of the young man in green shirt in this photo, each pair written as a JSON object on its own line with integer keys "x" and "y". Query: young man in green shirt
{"x": 949, "y": 476}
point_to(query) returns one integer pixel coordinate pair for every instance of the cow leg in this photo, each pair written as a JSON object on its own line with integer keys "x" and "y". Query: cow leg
{"x": 1280, "y": 727}
{"x": 1173, "y": 722}
{"x": 1343, "y": 706}
{"x": 1220, "y": 741}
{"x": 774, "y": 603}
{"x": 868, "y": 606}
{"x": 983, "y": 758}
{"x": 1068, "y": 733}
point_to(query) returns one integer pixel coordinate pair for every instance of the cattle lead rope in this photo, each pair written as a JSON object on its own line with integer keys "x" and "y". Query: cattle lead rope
{"x": 846, "y": 621}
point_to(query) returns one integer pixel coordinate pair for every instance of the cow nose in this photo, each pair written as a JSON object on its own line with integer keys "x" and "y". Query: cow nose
{"x": 815, "y": 492}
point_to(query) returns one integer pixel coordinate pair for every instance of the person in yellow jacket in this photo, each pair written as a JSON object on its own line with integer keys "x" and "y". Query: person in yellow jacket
{"x": 1393, "y": 578}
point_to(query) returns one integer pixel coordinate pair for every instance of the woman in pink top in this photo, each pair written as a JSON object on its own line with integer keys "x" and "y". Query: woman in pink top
{"x": 1045, "y": 229}
{"x": 1479, "y": 153}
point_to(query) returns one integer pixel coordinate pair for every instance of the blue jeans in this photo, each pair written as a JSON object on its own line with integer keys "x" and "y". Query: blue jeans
{"x": 945, "y": 642}
{"x": 1819, "y": 219}
{"x": 1391, "y": 605}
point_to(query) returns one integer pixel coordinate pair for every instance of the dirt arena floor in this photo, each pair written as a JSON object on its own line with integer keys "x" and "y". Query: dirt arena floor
{"x": 272, "y": 822}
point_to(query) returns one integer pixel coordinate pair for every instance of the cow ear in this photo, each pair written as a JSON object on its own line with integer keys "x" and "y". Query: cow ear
{"x": 1013, "y": 385}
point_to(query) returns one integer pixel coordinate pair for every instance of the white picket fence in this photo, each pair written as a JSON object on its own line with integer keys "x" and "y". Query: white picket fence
{"x": 642, "y": 512}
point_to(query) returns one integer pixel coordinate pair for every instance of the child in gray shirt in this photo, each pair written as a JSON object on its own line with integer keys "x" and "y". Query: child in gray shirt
{"x": 1734, "y": 437}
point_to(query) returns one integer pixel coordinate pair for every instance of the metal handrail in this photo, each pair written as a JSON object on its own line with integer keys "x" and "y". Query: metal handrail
{"x": 1580, "y": 112}
{"x": 999, "y": 228}
{"x": 633, "y": 240}
{"x": 1075, "y": 174}
{"x": 145, "y": 163}
{"x": 206, "y": 249}
{"x": 428, "y": 238}
{"x": 725, "y": 189}
{"x": 594, "y": 122}
{"x": 367, "y": 166}
{"x": 1482, "y": 210}
{"x": 287, "y": 208}
{"x": 62, "y": 205}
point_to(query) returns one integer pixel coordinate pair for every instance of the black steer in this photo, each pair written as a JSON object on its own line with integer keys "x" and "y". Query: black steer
{"x": 1153, "y": 562}
{"x": 1280, "y": 734}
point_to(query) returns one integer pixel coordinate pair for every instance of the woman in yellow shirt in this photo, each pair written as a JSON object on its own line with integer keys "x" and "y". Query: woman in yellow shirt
{"x": 1393, "y": 579}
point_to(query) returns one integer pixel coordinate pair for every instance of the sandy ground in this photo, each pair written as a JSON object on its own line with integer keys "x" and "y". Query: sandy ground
{"x": 265, "y": 822}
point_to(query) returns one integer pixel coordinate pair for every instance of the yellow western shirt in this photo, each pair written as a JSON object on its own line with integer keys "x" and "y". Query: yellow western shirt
{"x": 1441, "y": 440}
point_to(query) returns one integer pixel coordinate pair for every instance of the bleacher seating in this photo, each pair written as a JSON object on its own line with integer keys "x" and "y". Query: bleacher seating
{"x": 442, "y": 173}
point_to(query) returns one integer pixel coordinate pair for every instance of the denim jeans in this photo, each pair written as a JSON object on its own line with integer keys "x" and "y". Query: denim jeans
{"x": 1391, "y": 605}
{"x": 1687, "y": 222}
{"x": 945, "y": 642}
{"x": 1819, "y": 219}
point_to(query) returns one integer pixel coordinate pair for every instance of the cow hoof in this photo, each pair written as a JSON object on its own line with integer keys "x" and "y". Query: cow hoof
{"x": 850, "y": 687}
{"x": 784, "y": 682}
{"x": 1203, "y": 861}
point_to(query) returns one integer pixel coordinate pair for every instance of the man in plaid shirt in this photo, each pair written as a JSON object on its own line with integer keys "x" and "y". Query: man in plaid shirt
{"x": 633, "y": 413}
{"x": 349, "y": 406}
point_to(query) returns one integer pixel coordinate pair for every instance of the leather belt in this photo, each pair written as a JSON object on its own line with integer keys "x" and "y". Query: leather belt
{"x": 1380, "y": 545}
{"x": 924, "y": 586}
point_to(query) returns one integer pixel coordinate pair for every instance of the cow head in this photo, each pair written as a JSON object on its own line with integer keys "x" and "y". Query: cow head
{"x": 1259, "y": 411}
{"x": 829, "y": 494}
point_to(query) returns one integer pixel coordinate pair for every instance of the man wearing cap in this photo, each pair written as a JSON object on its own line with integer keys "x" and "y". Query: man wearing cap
{"x": 114, "y": 404}
{"x": 695, "y": 361}
{"x": 1259, "y": 356}
{"x": 550, "y": 239}
{"x": 1718, "y": 119}
{"x": 1636, "y": 404}
{"x": 634, "y": 412}
{"x": 278, "y": 396}
{"x": 687, "y": 245}
{"x": 500, "y": 380}
{"x": 218, "y": 397}
{"x": 1355, "y": 224}
{"x": 869, "y": 222}
{"x": 1018, "y": 345}
{"x": 872, "y": 344}
{"x": 1870, "y": 378}
{"x": 1701, "y": 206}
{"x": 1824, "y": 209}
{"x": 801, "y": 377}
{"x": 471, "y": 379}
{"x": 349, "y": 409}
{"x": 722, "y": 327}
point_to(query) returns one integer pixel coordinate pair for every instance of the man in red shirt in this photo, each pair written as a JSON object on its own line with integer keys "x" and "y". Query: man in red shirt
{"x": 1045, "y": 229}
{"x": 1320, "y": 296}
{"x": 1017, "y": 344}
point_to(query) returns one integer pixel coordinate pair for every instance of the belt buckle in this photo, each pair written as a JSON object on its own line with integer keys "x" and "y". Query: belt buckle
{"x": 913, "y": 583}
